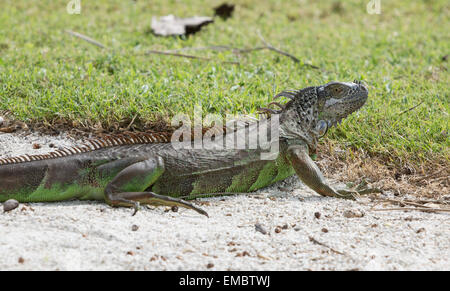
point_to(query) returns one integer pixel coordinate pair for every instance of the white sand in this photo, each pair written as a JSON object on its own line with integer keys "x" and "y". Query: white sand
{"x": 93, "y": 236}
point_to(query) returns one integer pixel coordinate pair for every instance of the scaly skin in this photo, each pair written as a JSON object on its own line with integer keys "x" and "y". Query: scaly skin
{"x": 158, "y": 174}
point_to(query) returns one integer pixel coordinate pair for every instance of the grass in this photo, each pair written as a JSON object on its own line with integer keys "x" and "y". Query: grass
{"x": 49, "y": 76}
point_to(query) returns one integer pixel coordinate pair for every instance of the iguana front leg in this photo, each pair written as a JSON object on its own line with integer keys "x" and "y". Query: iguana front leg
{"x": 128, "y": 187}
{"x": 310, "y": 174}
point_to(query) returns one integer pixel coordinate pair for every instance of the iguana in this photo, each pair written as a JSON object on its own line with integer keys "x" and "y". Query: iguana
{"x": 134, "y": 169}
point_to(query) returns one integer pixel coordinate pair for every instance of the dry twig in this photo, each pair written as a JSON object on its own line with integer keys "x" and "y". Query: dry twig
{"x": 272, "y": 48}
{"x": 86, "y": 38}
{"x": 236, "y": 50}
{"x": 435, "y": 210}
{"x": 409, "y": 109}
{"x": 313, "y": 240}
{"x": 168, "y": 53}
{"x": 214, "y": 47}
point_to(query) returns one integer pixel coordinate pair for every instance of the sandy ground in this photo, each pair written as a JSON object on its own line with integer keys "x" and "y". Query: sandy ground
{"x": 304, "y": 232}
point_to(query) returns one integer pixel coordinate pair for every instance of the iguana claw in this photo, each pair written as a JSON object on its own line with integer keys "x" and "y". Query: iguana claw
{"x": 353, "y": 194}
{"x": 137, "y": 207}
{"x": 346, "y": 194}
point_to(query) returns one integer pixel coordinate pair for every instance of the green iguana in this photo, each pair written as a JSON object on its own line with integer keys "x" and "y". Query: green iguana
{"x": 133, "y": 169}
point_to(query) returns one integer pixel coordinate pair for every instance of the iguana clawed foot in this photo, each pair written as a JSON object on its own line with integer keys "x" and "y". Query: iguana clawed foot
{"x": 170, "y": 201}
{"x": 137, "y": 207}
{"x": 358, "y": 191}
{"x": 150, "y": 198}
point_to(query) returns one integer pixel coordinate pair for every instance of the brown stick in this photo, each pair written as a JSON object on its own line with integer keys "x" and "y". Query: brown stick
{"x": 174, "y": 52}
{"x": 402, "y": 202}
{"x": 429, "y": 176}
{"x": 94, "y": 42}
{"x": 131, "y": 123}
{"x": 412, "y": 208}
{"x": 86, "y": 38}
{"x": 421, "y": 202}
{"x": 417, "y": 203}
{"x": 168, "y": 53}
{"x": 219, "y": 48}
{"x": 313, "y": 240}
{"x": 272, "y": 48}
{"x": 409, "y": 109}
{"x": 267, "y": 46}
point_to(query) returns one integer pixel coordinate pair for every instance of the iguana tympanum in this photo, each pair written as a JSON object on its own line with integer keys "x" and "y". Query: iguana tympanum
{"x": 134, "y": 169}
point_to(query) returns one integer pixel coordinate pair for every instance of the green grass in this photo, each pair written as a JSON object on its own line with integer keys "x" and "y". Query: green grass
{"x": 48, "y": 75}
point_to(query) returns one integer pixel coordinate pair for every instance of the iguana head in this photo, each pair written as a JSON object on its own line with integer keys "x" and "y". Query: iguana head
{"x": 338, "y": 99}
{"x": 313, "y": 110}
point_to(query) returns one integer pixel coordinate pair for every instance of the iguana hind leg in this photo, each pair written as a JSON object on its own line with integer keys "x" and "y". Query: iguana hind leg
{"x": 310, "y": 174}
{"x": 135, "y": 199}
{"x": 128, "y": 187}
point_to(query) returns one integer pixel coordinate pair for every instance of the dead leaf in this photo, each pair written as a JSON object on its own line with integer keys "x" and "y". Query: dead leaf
{"x": 224, "y": 10}
{"x": 172, "y": 25}
{"x": 7, "y": 129}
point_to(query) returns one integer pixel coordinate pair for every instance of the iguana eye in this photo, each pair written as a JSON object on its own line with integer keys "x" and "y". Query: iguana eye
{"x": 336, "y": 91}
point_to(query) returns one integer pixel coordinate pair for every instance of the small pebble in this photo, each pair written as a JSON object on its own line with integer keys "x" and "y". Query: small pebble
{"x": 134, "y": 227}
{"x": 317, "y": 215}
{"x": 353, "y": 214}
{"x": 260, "y": 228}
{"x": 174, "y": 208}
{"x": 36, "y": 146}
{"x": 210, "y": 265}
{"x": 277, "y": 229}
{"x": 10, "y": 204}
{"x": 420, "y": 230}
{"x": 243, "y": 254}
{"x": 324, "y": 230}
{"x": 21, "y": 260}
